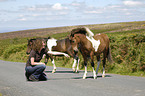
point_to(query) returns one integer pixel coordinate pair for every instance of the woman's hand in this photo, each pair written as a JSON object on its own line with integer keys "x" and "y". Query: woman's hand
{"x": 41, "y": 63}
{"x": 36, "y": 63}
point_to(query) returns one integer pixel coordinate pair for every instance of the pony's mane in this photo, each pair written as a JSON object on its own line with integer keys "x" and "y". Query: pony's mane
{"x": 83, "y": 30}
{"x": 78, "y": 31}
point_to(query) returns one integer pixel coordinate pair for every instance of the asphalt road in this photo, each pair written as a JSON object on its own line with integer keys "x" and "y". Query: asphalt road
{"x": 66, "y": 83}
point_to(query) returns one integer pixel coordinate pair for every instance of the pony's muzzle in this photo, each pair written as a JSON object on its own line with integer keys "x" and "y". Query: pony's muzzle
{"x": 76, "y": 51}
{"x": 27, "y": 53}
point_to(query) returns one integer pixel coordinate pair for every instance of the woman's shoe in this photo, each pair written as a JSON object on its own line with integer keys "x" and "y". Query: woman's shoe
{"x": 32, "y": 78}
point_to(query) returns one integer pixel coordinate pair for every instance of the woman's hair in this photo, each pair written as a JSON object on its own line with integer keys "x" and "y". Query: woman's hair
{"x": 37, "y": 45}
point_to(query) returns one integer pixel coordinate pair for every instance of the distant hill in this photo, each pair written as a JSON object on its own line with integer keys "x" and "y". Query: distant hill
{"x": 114, "y": 27}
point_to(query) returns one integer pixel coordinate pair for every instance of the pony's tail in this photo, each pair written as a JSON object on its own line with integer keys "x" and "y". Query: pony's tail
{"x": 90, "y": 33}
{"x": 109, "y": 56}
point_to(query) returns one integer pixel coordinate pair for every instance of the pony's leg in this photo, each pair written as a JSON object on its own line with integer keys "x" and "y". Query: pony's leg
{"x": 54, "y": 67}
{"x": 85, "y": 74}
{"x": 76, "y": 60}
{"x": 74, "y": 65}
{"x": 98, "y": 61}
{"x": 94, "y": 72}
{"x": 47, "y": 58}
{"x": 77, "y": 65}
{"x": 104, "y": 62}
{"x": 103, "y": 75}
{"x": 92, "y": 64}
{"x": 52, "y": 60}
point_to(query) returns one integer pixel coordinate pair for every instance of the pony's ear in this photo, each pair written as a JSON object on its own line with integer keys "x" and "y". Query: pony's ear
{"x": 31, "y": 43}
{"x": 49, "y": 37}
{"x": 71, "y": 36}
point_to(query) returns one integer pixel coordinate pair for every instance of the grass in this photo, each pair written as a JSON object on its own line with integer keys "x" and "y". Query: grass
{"x": 127, "y": 42}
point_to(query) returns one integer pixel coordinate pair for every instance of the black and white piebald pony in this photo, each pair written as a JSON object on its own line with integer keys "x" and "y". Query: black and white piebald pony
{"x": 63, "y": 47}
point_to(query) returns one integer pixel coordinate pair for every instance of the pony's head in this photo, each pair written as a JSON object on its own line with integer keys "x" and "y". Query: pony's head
{"x": 75, "y": 36}
{"x": 75, "y": 41}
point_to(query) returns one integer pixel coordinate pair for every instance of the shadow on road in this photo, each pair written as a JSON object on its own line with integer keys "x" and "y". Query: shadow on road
{"x": 91, "y": 77}
{"x": 78, "y": 78}
{"x": 64, "y": 72}
{"x": 71, "y": 72}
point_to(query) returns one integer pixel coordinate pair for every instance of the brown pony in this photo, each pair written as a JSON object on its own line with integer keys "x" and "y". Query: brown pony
{"x": 90, "y": 46}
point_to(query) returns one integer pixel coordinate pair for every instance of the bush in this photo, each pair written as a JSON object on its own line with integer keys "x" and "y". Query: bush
{"x": 128, "y": 53}
{"x": 13, "y": 49}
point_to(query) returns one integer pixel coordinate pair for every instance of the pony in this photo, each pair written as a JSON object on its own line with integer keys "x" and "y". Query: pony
{"x": 60, "y": 46}
{"x": 90, "y": 45}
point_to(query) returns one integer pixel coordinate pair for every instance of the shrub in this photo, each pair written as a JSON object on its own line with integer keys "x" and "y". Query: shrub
{"x": 13, "y": 49}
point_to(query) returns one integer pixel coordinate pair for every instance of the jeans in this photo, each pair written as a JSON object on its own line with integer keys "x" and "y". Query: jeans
{"x": 36, "y": 71}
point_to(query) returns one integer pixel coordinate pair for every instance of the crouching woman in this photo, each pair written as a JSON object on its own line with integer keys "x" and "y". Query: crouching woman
{"x": 34, "y": 68}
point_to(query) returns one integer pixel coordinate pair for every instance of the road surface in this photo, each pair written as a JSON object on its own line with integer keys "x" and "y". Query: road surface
{"x": 66, "y": 83}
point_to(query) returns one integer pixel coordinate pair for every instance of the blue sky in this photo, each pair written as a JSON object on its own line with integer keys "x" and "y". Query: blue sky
{"x": 33, "y": 14}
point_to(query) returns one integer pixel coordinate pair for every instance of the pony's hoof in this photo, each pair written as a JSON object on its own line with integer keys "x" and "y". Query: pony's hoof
{"x": 77, "y": 71}
{"x": 95, "y": 77}
{"x": 74, "y": 70}
{"x": 103, "y": 76}
{"x": 54, "y": 70}
{"x": 84, "y": 77}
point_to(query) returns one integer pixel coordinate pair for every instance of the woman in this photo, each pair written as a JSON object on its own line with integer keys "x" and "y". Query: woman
{"x": 34, "y": 68}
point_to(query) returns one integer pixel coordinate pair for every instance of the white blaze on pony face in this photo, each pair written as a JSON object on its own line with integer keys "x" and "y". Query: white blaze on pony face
{"x": 51, "y": 43}
{"x": 94, "y": 42}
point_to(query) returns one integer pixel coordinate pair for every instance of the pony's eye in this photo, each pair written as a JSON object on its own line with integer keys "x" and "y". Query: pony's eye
{"x": 72, "y": 41}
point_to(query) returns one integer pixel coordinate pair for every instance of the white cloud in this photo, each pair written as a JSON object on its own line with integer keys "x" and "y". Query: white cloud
{"x": 22, "y": 19}
{"x": 132, "y": 3}
{"x": 75, "y": 3}
{"x": 114, "y": 6}
{"x": 58, "y": 6}
{"x": 92, "y": 12}
{"x": 38, "y": 8}
{"x": 45, "y": 8}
